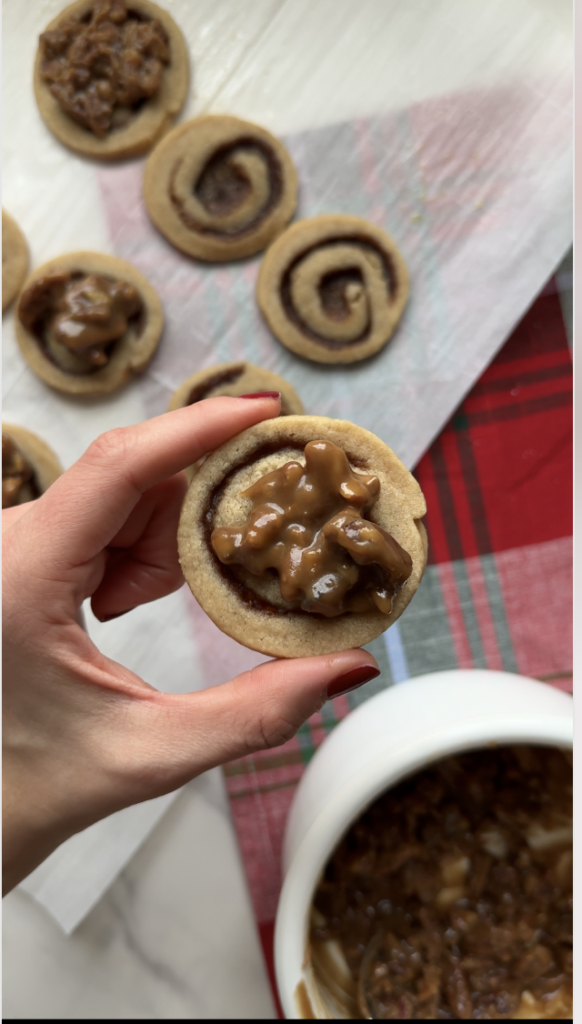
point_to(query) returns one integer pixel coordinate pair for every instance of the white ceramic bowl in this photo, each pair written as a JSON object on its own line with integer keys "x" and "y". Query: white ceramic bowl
{"x": 392, "y": 735}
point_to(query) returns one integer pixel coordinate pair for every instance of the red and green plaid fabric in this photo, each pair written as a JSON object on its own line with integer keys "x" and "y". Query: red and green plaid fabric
{"x": 497, "y": 592}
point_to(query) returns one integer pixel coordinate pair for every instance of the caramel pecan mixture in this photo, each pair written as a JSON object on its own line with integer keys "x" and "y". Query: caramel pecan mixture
{"x": 308, "y": 525}
{"x": 18, "y": 484}
{"x": 101, "y": 70}
{"x": 452, "y": 895}
{"x": 78, "y": 316}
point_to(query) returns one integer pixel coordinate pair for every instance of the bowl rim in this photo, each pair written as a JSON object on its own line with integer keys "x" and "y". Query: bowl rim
{"x": 499, "y": 727}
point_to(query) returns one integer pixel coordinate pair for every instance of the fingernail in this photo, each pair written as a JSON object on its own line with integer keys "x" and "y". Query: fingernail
{"x": 351, "y": 680}
{"x": 262, "y": 394}
{"x": 116, "y": 615}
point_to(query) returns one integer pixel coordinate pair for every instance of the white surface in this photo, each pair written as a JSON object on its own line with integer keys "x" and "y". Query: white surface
{"x": 173, "y": 938}
{"x": 291, "y": 65}
{"x": 395, "y": 733}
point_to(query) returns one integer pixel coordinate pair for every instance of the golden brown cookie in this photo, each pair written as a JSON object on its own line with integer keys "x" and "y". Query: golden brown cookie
{"x": 381, "y": 506}
{"x": 220, "y": 188}
{"x": 333, "y": 288}
{"x": 29, "y": 466}
{"x": 235, "y": 379}
{"x": 110, "y": 76}
{"x": 14, "y": 259}
{"x": 88, "y": 322}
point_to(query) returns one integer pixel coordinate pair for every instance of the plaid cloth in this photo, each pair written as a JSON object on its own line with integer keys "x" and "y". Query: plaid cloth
{"x": 497, "y": 591}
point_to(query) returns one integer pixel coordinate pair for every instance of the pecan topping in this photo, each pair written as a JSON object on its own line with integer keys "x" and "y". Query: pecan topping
{"x": 309, "y": 525}
{"x": 100, "y": 71}
{"x": 78, "y": 316}
{"x": 18, "y": 483}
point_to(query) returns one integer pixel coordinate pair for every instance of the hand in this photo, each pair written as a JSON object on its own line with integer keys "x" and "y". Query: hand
{"x": 84, "y": 736}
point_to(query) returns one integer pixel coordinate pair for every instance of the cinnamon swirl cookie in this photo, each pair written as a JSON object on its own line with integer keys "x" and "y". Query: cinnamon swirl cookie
{"x": 220, "y": 188}
{"x": 303, "y": 536}
{"x": 333, "y": 288}
{"x": 110, "y": 76}
{"x": 235, "y": 379}
{"x": 14, "y": 259}
{"x": 29, "y": 466}
{"x": 88, "y": 322}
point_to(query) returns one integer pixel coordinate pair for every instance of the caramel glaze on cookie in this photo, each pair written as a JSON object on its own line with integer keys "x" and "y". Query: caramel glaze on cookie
{"x": 88, "y": 322}
{"x": 333, "y": 288}
{"x": 220, "y": 188}
{"x": 110, "y": 76}
{"x": 359, "y": 546}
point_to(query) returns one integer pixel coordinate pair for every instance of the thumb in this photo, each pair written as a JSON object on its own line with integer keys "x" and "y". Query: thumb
{"x": 256, "y": 710}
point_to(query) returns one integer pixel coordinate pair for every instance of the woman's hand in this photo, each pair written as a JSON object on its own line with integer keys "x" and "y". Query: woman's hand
{"x": 84, "y": 736}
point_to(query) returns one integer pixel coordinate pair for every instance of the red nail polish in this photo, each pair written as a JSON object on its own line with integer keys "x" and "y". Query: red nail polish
{"x": 351, "y": 680}
{"x": 262, "y": 394}
{"x": 116, "y": 615}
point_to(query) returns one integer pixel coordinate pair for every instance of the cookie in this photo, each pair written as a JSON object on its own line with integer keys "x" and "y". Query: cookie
{"x": 14, "y": 259}
{"x": 110, "y": 76}
{"x": 235, "y": 379}
{"x": 293, "y": 601}
{"x": 88, "y": 322}
{"x": 333, "y": 288}
{"x": 220, "y": 188}
{"x": 29, "y": 466}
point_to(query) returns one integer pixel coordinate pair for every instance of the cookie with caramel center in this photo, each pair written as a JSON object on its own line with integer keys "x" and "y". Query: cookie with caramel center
{"x": 29, "y": 465}
{"x": 87, "y": 322}
{"x": 219, "y": 188}
{"x": 303, "y": 536}
{"x": 110, "y": 76}
{"x": 333, "y": 288}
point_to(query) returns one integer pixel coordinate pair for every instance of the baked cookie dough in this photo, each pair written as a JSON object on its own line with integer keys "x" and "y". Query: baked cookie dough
{"x": 220, "y": 188}
{"x": 235, "y": 379}
{"x": 29, "y": 466}
{"x": 371, "y": 507}
{"x": 14, "y": 259}
{"x": 110, "y": 76}
{"x": 88, "y": 322}
{"x": 333, "y": 288}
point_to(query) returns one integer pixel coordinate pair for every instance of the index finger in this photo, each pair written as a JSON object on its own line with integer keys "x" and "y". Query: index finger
{"x": 90, "y": 502}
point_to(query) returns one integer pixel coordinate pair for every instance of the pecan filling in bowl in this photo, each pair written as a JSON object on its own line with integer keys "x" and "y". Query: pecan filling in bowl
{"x": 19, "y": 482}
{"x": 451, "y": 897}
{"x": 77, "y": 318}
{"x": 309, "y": 526}
{"x": 101, "y": 68}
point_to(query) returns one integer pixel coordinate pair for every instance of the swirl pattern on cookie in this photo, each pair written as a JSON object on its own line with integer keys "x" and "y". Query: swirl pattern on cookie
{"x": 333, "y": 288}
{"x": 235, "y": 379}
{"x": 220, "y": 188}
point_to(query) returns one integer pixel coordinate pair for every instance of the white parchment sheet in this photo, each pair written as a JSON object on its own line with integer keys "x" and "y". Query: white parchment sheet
{"x": 447, "y": 122}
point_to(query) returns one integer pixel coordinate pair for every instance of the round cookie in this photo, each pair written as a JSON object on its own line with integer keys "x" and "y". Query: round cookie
{"x": 220, "y": 188}
{"x": 37, "y": 453}
{"x": 333, "y": 288}
{"x": 250, "y": 609}
{"x": 142, "y": 126}
{"x": 14, "y": 259}
{"x": 130, "y": 354}
{"x": 235, "y": 379}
